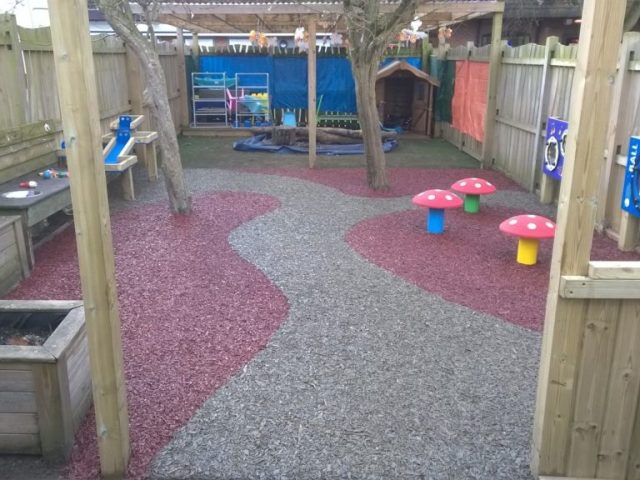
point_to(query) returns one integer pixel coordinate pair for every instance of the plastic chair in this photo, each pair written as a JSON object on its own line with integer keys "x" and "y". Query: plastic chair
{"x": 232, "y": 102}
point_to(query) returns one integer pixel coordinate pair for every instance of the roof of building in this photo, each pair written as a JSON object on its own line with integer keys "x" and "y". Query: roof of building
{"x": 401, "y": 65}
{"x": 270, "y": 16}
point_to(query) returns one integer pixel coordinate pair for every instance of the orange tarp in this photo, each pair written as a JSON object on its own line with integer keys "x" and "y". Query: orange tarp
{"x": 469, "y": 104}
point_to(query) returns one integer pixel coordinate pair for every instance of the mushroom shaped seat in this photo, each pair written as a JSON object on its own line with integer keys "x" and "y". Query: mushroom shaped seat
{"x": 529, "y": 229}
{"x": 472, "y": 188}
{"x": 436, "y": 201}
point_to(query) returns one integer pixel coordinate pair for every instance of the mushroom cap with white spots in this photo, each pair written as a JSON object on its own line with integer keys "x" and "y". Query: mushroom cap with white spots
{"x": 474, "y": 186}
{"x": 529, "y": 226}
{"x": 437, "y": 198}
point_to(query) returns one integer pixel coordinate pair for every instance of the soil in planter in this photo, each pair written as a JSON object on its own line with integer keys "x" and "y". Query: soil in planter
{"x": 28, "y": 328}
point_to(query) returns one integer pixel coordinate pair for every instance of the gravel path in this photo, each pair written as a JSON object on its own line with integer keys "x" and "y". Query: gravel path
{"x": 370, "y": 376}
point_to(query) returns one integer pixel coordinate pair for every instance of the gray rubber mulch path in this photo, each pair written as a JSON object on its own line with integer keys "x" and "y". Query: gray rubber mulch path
{"x": 370, "y": 376}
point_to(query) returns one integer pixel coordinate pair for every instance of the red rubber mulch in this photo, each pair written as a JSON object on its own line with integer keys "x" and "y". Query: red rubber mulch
{"x": 471, "y": 264}
{"x": 403, "y": 181}
{"x": 193, "y": 313}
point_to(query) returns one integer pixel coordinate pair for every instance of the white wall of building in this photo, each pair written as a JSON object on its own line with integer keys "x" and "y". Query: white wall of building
{"x": 29, "y": 13}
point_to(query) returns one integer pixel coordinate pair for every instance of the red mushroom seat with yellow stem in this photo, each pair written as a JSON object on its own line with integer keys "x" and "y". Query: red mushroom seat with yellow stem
{"x": 529, "y": 229}
{"x": 472, "y": 188}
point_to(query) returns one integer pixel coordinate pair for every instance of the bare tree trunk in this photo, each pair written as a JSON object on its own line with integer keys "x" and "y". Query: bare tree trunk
{"x": 365, "y": 78}
{"x": 632, "y": 16}
{"x": 369, "y": 34}
{"x": 118, "y": 14}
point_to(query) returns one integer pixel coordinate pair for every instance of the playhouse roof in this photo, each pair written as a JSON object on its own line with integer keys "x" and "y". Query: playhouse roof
{"x": 275, "y": 16}
{"x": 401, "y": 65}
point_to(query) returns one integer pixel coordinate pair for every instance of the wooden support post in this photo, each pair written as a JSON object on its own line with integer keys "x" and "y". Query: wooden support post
{"x": 195, "y": 50}
{"x": 548, "y": 187}
{"x": 427, "y": 48}
{"x": 549, "y": 48}
{"x": 628, "y": 236}
{"x": 182, "y": 80}
{"x": 152, "y": 161}
{"x": 616, "y": 139}
{"x": 553, "y": 453}
{"x": 492, "y": 90}
{"x": 128, "y": 191}
{"x": 78, "y": 96}
{"x": 311, "y": 108}
{"x": 14, "y": 79}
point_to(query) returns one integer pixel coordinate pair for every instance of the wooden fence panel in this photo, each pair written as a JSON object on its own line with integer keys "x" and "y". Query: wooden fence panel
{"x": 519, "y": 90}
{"x": 42, "y": 99}
{"x": 169, "y": 62}
{"x": 28, "y": 93}
{"x": 12, "y": 80}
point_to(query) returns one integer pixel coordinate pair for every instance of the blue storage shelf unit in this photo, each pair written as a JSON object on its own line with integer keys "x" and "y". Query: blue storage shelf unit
{"x": 209, "y": 97}
{"x": 554, "y": 150}
{"x": 631, "y": 189}
{"x": 253, "y": 96}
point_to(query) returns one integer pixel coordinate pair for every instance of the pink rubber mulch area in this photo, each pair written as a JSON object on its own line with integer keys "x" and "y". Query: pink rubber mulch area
{"x": 471, "y": 264}
{"x": 403, "y": 181}
{"x": 193, "y": 313}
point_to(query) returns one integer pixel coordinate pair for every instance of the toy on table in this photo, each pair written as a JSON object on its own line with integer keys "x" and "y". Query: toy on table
{"x": 29, "y": 184}
{"x": 436, "y": 201}
{"x": 472, "y": 188}
{"x": 53, "y": 173}
{"x": 529, "y": 229}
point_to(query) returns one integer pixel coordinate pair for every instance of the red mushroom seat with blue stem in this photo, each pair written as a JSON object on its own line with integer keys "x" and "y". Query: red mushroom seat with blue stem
{"x": 529, "y": 229}
{"x": 436, "y": 201}
{"x": 472, "y": 188}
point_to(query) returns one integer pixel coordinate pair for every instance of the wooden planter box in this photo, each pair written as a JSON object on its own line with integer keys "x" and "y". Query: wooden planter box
{"x": 45, "y": 391}
{"x": 15, "y": 253}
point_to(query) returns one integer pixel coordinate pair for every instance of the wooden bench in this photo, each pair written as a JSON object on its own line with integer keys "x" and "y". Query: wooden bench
{"x": 25, "y": 151}
{"x": 14, "y": 255}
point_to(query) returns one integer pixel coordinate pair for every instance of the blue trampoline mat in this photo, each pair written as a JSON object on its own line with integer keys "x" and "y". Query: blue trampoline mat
{"x": 262, "y": 143}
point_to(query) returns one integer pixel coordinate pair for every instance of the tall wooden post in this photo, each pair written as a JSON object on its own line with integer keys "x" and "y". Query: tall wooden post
{"x": 13, "y": 75}
{"x": 492, "y": 90}
{"x": 616, "y": 138}
{"x": 195, "y": 50}
{"x": 565, "y": 320}
{"x": 549, "y": 48}
{"x": 81, "y": 121}
{"x": 182, "y": 80}
{"x": 311, "y": 107}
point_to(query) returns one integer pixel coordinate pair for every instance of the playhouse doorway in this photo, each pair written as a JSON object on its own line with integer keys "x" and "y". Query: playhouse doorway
{"x": 405, "y": 98}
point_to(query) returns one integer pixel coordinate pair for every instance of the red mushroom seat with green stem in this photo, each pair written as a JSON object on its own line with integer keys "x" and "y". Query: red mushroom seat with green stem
{"x": 436, "y": 201}
{"x": 472, "y": 188}
{"x": 529, "y": 229}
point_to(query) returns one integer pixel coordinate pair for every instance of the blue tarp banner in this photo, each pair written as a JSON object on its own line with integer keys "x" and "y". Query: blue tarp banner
{"x": 232, "y": 64}
{"x": 289, "y": 87}
{"x": 336, "y": 85}
{"x": 262, "y": 143}
{"x": 288, "y": 78}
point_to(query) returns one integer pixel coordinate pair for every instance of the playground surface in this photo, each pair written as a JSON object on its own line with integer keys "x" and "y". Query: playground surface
{"x": 296, "y": 326}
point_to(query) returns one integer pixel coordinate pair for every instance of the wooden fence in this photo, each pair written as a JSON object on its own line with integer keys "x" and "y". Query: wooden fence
{"x": 28, "y": 88}
{"x": 534, "y": 83}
